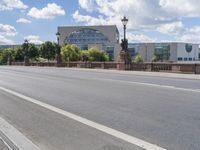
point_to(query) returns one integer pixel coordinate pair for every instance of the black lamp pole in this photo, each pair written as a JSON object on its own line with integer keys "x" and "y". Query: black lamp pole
{"x": 58, "y": 40}
{"x": 124, "y": 22}
{"x": 26, "y": 47}
{"x": 58, "y": 37}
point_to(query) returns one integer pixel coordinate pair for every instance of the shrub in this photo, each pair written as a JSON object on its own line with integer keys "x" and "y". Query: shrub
{"x": 70, "y": 53}
{"x": 138, "y": 59}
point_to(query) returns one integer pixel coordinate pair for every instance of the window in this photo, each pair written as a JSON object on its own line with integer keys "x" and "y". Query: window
{"x": 185, "y": 59}
{"x": 190, "y": 59}
{"x": 110, "y": 52}
{"x": 180, "y": 59}
{"x": 162, "y": 51}
{"x": 87, "y": 36}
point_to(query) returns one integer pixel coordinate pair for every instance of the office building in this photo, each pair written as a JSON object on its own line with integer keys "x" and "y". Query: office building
{"x": 105, "y": 38}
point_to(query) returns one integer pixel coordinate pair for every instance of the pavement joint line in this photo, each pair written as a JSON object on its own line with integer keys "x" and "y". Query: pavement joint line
{"x": 150, "y": 84}
{"x": 16, "y": 139}
{"x": 6, "y": 144}
{"x": 120, "y": 135}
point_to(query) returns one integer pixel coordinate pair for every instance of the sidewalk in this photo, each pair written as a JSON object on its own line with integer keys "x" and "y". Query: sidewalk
{"x": 3, "y": 146}
{"x": 143, "y": 73}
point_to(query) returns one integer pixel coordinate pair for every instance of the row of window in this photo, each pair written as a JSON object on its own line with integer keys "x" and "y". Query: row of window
{"x": 186, "y": 59}
{"x": 86, "y": 40}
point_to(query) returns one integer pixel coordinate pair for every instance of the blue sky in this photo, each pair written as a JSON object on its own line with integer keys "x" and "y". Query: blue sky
{"x": 149, "y": 21}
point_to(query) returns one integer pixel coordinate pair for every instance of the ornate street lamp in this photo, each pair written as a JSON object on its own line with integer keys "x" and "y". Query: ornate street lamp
{"x": 26, "y": 59}
{"x": 58, "y": 37}
{"x": 58, "y": 57}
{"x": 124, "y": 22}
{"x": 124, "y": 59}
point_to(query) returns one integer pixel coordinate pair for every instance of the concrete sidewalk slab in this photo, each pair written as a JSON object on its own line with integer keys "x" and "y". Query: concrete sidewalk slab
{"x": 3, "y": 146}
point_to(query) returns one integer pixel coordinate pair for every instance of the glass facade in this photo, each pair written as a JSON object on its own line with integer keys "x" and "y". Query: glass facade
{"x": 162, "y": 52}
{"x": 110, "y": 52}
{"x": 86, "y": 36}
{"x": 133, "y": 48}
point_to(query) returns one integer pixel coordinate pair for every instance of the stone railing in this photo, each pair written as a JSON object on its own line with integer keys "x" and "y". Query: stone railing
{"x": 156, "y": 67}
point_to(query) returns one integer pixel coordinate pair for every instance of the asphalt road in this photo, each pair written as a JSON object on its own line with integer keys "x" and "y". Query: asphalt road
{"x": 162, "y": 111}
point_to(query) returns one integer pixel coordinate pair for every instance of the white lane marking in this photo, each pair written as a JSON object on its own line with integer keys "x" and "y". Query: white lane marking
{"x": 16, "y": 137}
{"x": 110, "y": 131}
{"x": 148, "y": 84}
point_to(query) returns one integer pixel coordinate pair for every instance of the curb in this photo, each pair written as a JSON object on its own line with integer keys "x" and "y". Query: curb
{"x": 15, "y": 139}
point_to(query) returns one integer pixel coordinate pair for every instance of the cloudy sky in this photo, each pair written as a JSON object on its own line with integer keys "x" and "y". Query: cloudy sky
{"x": 150, "y": 20}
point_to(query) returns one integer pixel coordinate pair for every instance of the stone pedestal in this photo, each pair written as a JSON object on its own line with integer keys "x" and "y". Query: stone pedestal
{"x": 58, "y": 60}
{"x": 26, "y": 61}
{"x": 9, "y": 61}
{"x": 124, "y": 61}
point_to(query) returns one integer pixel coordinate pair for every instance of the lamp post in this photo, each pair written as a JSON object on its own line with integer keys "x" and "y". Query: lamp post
{"x": 58, "y": 57}
{"x": 58, "y": 37}
{"x": 125, "y": 42}
{"x": 26, "y": 59}
{"x": 124, "y": 59}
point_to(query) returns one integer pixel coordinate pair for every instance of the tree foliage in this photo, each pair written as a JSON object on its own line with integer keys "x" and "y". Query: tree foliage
{"x": 138, "y": 59}
{"x": 27, "y": 49}
{"x": 19, "y": 54}
{"x": 154, "y": 59}
{"x": 48, "y": 50}
{"x": 97, "y": 55}
{"x": 70, "y": 53}
{"x": 5, "y": 54}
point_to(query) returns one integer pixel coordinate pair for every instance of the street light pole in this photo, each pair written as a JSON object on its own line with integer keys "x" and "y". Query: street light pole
{"x": 26, "y": 59}
{"x": 58, "y": 57}
{"x": 124, "y": 58}
{"x": 58, "y": 38}
{"x": 125, "y": 42}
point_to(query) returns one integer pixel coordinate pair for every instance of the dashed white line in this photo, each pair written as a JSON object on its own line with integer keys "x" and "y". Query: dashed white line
{"x": 125, "y": 137}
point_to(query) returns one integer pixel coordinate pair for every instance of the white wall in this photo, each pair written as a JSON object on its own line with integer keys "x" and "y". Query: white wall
{"x": 181, "y": 51}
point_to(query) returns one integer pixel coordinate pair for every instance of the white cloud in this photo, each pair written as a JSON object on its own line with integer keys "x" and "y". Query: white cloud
{"x": 138, "y": 38}
{"x": 164, "y": 16}
{"x": 33, "y": 39}
{"x": 7, "y": 30}
{"x": 4, "y": 40}
{"x": 174, "y": 28}
{"x": 187, "y": 8}
{"x": 89, "y": 5}
{"x": 190, "y": 35}
{"x": 142, "y": 14}
{"x": 23, "y": 20}
{"x": 12, "y": 4}
{"x": 51, "y": 11}
{"x": 88, "y": 19}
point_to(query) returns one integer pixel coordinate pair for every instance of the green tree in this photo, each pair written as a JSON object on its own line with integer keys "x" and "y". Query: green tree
{"x": 85, "y": 55}
{"x": 47, "y": 50}
{"x": 19, "y": 54}
{"x": 97, "y": 55}
{"x": 5, "y": 54}
{"x": 154, "y": 59}
{"x": 138, "y": 59}
{"x": 70, "y": 52}
{"x": 33, "y": 51}
{"x": 27, "y": 49}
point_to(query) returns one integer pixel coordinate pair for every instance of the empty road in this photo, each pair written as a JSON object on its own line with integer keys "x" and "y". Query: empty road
{"x": 161, "y": 111}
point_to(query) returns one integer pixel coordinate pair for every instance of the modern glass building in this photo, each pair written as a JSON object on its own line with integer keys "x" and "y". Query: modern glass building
{"x": 105, "y": 38}
{"x": 169, "y": 52}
